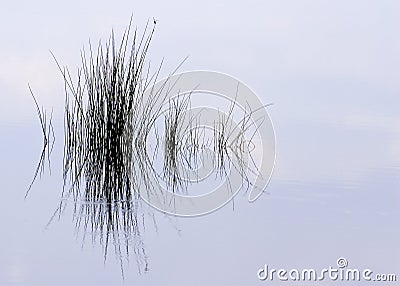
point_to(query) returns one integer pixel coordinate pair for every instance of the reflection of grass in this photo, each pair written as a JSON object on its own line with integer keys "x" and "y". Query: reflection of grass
{"x": 47, "y": 129}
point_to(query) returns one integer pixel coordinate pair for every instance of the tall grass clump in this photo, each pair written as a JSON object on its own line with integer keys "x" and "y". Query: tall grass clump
{"x": 106, "y": 123}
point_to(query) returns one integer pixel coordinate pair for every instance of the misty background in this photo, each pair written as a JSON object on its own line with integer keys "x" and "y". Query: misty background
{"x": 332, "y": 70}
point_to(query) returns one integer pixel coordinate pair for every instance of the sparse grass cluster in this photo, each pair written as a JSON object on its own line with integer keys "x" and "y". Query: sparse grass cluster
{"x": 175, "y": 128}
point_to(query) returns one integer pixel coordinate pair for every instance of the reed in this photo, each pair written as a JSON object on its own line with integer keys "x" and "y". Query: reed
{"x": 47, "y": 131}
{"x": 175, "y": 128}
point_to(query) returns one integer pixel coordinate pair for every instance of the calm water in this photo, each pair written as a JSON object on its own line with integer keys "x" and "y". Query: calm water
{"x": 334, "y": 193}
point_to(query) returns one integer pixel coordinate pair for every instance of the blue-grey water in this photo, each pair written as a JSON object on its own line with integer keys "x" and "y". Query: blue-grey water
{"x": 331, "y": 70}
